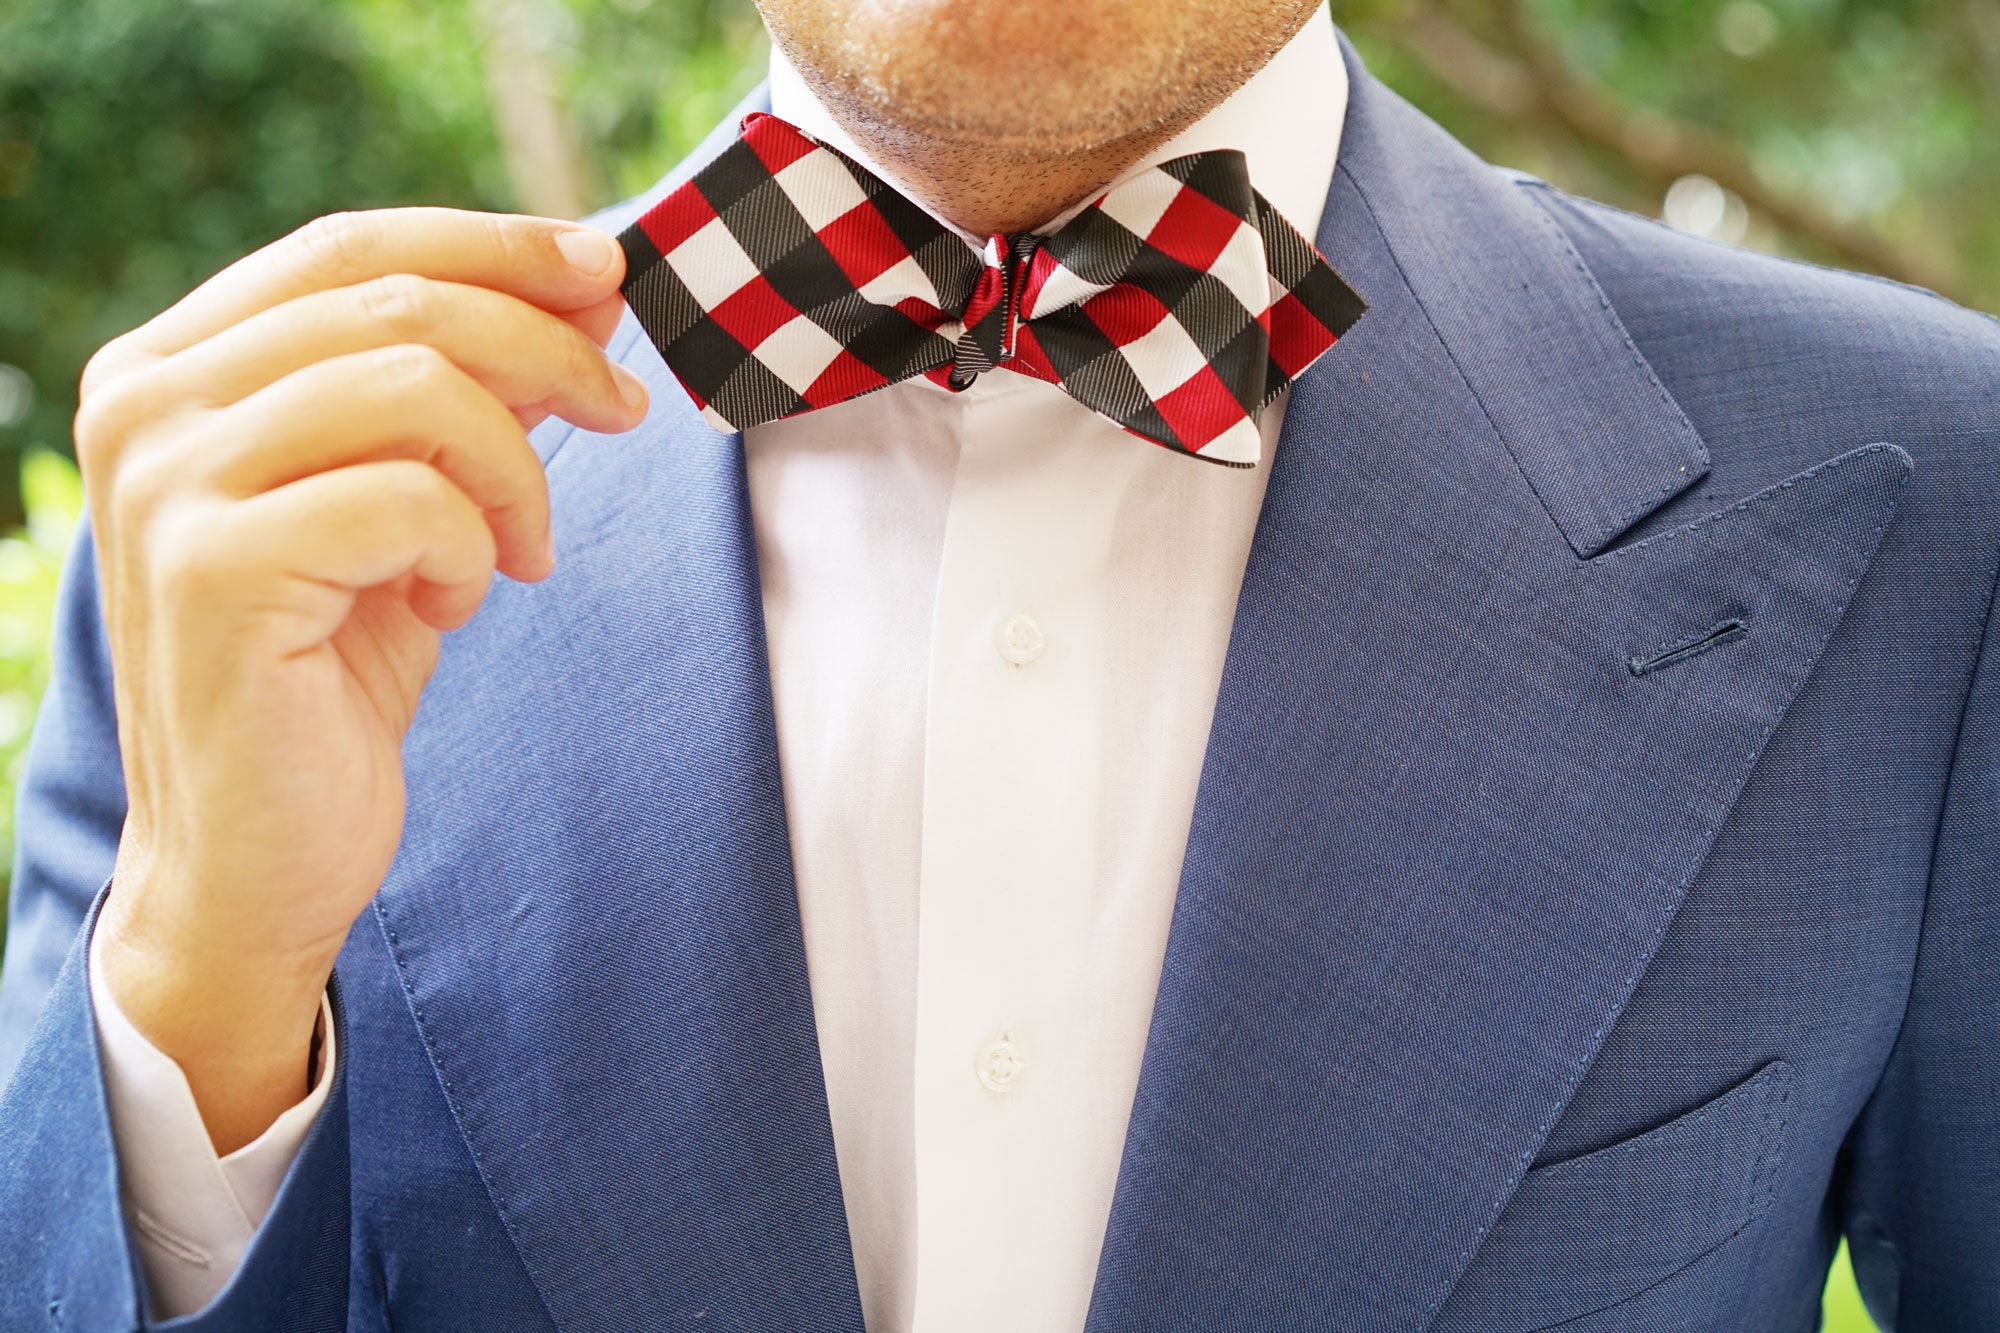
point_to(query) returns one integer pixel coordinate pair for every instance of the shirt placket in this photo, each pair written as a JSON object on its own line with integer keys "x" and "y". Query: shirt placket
{"x": 1013, "y": 758}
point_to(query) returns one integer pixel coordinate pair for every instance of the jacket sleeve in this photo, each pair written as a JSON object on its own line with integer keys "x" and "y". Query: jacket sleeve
{"x": 1922, "y": 1202}
{"x": 66, "y": 1255}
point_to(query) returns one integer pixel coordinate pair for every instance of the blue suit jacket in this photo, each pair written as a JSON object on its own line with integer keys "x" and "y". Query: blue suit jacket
{"x": 1591, "y": 911}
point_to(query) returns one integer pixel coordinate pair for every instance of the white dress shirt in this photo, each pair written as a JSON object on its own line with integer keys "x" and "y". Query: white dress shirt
{"x": 996, "y": 625}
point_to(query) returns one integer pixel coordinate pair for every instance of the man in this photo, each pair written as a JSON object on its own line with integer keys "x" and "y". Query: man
{"x": 1517, "y": 850}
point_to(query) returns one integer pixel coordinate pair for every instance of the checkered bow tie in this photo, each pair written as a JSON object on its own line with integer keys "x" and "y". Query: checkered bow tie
{"x": 785, "y": 277}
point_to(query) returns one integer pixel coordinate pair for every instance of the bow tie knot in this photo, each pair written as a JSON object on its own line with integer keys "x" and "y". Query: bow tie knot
{"x": 784, "y": 277}
{"x": 992, "y": 314}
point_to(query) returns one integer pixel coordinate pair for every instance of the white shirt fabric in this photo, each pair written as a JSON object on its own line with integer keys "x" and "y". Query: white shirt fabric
{"x": 190, "y": 1213}
{"x": 996, "y": 625}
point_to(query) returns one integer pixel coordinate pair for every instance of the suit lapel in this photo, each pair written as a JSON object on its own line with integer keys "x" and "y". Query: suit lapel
{"x": 594, "y": 917}
{"x": 593, "y": 911}
{"x": 1442, "y": 824}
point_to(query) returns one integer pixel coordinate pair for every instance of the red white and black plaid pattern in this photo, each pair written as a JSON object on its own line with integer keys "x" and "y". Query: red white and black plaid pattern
{"x": 784, "y": 277}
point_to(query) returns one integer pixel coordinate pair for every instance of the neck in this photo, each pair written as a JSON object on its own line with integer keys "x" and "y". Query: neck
{"x": 986, "y": 187}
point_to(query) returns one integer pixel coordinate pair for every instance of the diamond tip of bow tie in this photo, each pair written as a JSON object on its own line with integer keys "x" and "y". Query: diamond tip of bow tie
{"x": 783, "y": 277}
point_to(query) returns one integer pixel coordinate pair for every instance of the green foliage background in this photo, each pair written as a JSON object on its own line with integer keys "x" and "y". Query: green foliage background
{"x": 145, "y": 143}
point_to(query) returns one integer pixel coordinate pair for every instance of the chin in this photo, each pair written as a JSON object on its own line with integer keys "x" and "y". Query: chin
{"x": 1058, "y": 76}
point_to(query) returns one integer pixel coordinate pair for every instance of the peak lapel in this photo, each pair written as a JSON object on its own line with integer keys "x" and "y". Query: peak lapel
{"x": 1442, "y": 823}
{"x": 593, "y": 911}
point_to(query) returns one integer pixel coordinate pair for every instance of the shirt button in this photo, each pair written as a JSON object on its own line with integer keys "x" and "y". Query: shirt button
{"x": 1021, "y": 640}
{"x": 999, "y": 1065}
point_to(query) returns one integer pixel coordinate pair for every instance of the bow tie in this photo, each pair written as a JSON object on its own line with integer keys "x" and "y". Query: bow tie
{"x": 784, "y": 277}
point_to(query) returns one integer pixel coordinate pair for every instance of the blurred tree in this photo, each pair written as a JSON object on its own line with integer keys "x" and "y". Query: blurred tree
{"x": 535, "y": 135}
{"x": 640, "y": 81}
{"x": 1862, "y": 133}
{"x": 143, "y": 145}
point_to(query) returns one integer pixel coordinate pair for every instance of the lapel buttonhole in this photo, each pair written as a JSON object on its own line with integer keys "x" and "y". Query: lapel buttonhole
{"x": 1670, "y": 654}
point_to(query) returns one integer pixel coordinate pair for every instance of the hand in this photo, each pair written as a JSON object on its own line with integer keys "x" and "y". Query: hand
{"x": 299, "y": 477}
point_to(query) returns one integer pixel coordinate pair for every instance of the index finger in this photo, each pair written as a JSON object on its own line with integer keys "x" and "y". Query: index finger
{"x": 559, "y": 266}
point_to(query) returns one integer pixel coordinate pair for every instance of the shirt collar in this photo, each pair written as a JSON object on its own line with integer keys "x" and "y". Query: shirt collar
{"x": 1286, "y": 120}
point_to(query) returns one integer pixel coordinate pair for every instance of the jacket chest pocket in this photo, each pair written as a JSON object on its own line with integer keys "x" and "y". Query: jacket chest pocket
{"x": 1583, "y": 1235}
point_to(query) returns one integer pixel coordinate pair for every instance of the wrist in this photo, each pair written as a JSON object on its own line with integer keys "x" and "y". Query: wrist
{"x": 238, "y": 1020}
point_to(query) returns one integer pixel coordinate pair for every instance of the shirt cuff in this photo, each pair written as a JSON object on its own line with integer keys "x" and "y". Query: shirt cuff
{"x": 191, "y": 1213}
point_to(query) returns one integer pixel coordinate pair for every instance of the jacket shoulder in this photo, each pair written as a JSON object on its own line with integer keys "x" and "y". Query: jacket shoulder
{"x": 1712, "y": 308}
{"x": 1780, "y": 364}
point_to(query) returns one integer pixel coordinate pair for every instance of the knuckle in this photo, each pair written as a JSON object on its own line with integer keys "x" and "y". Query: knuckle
{"x": 424, "y": 500}
{"x": 432, "y": 501}
{"x": 107, "y": 419}
{"x": 96, "y": 427}
{"x": 401, "y": 302}
{"x": 416, "y": 368}
{"x": 105, "y": 367}
{"x": 508, "y": 241}
{"x": 415, "y": 488}
{"x": 339, "y": 243}
{"x": 187, "y": 560}
{"x": 142, "y": 479}
{"x": 583, "y": 359}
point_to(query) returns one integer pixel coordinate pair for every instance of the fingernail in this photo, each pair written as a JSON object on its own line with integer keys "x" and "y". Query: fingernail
{"x": 630, "y": 387}
{"x": 589, "y": 252}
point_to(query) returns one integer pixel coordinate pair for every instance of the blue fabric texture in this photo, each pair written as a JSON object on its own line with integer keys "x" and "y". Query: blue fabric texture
{"x": 1591, "y": 912}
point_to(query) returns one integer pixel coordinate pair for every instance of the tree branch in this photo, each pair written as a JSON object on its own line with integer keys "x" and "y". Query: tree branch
{"x": 1536, "y": 80}
{"x": 535, "y": 141}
